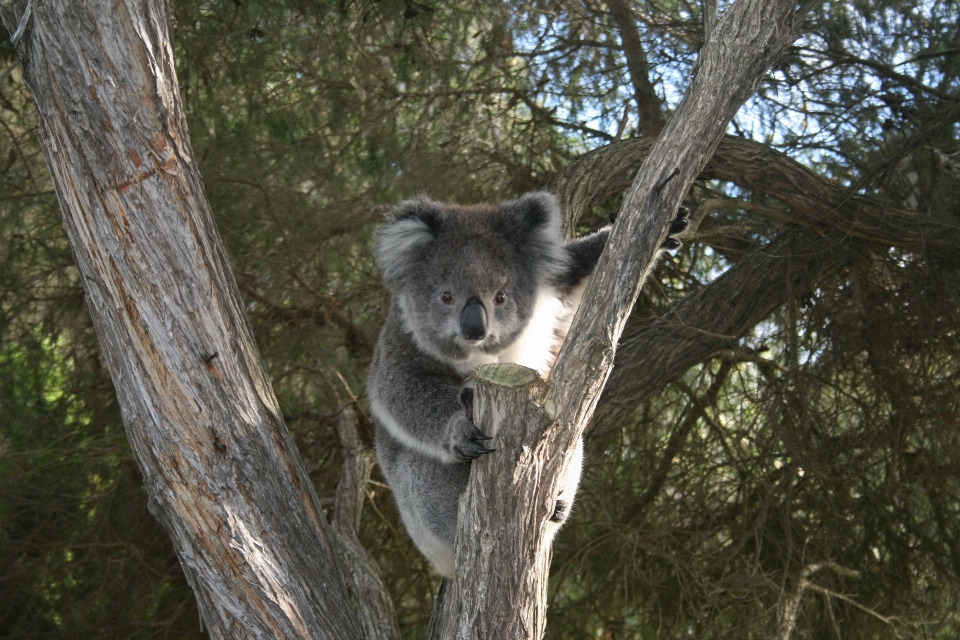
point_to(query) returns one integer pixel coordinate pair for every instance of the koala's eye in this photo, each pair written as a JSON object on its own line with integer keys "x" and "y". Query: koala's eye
{"x": 446, "y": 297}
{"x": 500, "y": 298}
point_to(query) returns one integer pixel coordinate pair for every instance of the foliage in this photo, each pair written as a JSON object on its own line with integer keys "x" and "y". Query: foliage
{"x": 816, "y": 458}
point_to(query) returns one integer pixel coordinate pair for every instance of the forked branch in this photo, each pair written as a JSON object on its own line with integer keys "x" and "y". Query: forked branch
{"x": 499, "y": 590}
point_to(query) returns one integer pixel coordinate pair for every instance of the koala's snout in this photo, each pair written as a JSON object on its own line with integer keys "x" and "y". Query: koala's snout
{"x": 473, "y": 320}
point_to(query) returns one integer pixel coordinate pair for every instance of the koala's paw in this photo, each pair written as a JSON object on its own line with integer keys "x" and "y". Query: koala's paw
{"x": 468, "y": 440}
{"x": 560, "y": 510}
{"x": 677, "y": 226}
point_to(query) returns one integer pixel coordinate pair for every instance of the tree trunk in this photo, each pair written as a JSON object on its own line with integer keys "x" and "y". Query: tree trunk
{"x": 503, "y": 530}
{"x": 506, "y": 598}
{"x": 221, "y": 470}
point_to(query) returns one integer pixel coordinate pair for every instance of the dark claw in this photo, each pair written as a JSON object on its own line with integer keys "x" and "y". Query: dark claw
{"x": 679, "y": 223}
{"x": 475, "y": 435}
{"x": 467, "y": 456}
{"x": 472, "y": 447}
{"x": 559, "y": 511}
{"x": 678, "y": 226}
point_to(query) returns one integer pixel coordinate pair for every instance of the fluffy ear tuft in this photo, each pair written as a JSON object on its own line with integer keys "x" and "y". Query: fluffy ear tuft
{"x": 539, "y": 224}
{"x": 539, "y": 212}
{"x": 414, "y": 224}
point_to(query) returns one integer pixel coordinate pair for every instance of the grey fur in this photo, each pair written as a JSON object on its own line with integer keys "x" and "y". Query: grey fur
{"x": 425, "y": 432}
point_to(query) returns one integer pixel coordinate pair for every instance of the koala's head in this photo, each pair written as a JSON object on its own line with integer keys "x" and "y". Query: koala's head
{"x": 467, "y": 278}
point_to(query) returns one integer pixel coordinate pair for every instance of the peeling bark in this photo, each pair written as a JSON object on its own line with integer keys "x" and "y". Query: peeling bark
{"x": 222, "y": 473}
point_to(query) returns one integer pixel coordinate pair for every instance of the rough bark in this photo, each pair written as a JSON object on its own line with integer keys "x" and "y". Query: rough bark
{"x": 505, "y": 598}
{"x": 709, "y": 18}
{"x": 509, "y": 562}
{"x": 221, "y": 470}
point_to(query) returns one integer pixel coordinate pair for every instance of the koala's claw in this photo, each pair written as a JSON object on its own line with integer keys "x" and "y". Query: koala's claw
{"x": 466, "y": 456}
{"x": 677, "y": 225}
{"x": 472, "y": 447}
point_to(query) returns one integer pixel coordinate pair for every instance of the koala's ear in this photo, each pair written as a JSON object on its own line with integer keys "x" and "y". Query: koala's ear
{"x": 538, "y": 213}
{"x": 538, "y": 225}
{"x": 414, "y": 224}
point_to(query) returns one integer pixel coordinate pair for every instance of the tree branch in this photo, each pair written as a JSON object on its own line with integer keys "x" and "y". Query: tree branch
{"x": 503, "y": 549}
{"x": 609, "y": 170}
{"x": 664, "y": 348}
{"x": 373, "y": 602}
{"x": 648, "y": 103}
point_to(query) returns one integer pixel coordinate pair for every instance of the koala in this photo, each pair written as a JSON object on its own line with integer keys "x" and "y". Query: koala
{"x": 470, "y": 285}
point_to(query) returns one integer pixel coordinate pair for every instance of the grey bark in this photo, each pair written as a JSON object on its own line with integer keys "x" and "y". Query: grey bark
{"x": 222, "y": 473}
{"x": 709, "y": 17}
{"x": 508, "y": 397}
{"x": 502, "y": 555}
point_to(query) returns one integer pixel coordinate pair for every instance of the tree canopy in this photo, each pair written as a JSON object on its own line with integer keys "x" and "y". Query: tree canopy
{"x": 777, "y": 450}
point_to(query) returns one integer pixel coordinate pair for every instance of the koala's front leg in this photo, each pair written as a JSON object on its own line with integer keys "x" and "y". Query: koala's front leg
{"x": 424, "y": 407}
{"x": 470, "y": 440}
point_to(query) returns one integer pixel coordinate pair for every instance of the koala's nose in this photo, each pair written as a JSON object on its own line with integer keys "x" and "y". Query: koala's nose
{"x": 473, "y": 320}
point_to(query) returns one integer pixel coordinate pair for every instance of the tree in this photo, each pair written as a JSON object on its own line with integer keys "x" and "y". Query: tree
{"x": 222, "y": 473}
{"x": 823, "y": 428}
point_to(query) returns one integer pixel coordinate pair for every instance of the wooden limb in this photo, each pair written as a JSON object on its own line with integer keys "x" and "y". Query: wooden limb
{"x": 609, "y": 170}
{"x": 502, "y": 552}
{"x": 789, "y": 607}
{"x": 709, "y": 18}
{"x": 748, "y": 39}
{"x": 222, "y": 472}
{"x": 374, "y": 606}
{"x": 648, "y": 102}
{"x": 715, "y": 317}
